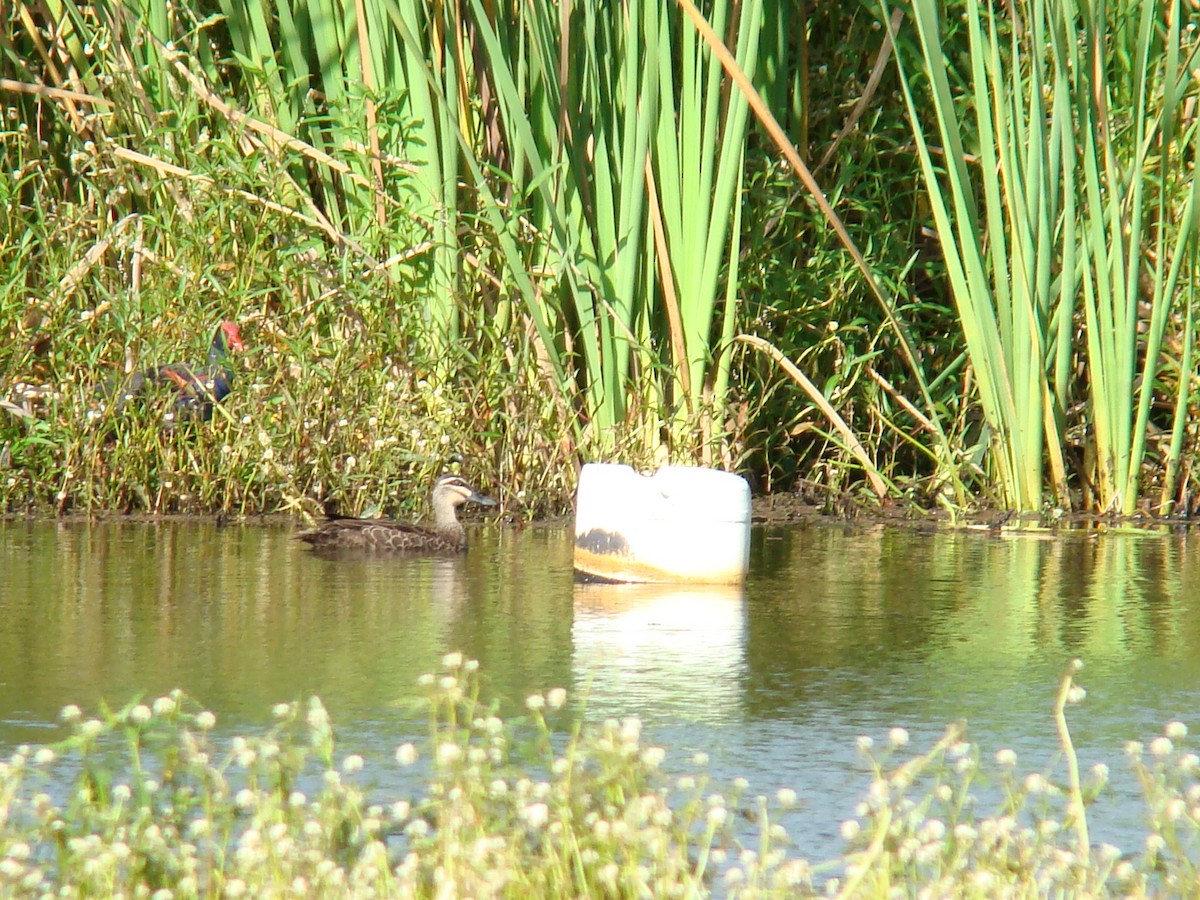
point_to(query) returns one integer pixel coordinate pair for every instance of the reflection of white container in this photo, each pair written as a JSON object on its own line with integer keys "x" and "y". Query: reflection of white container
{"x": 663, "y": 650}
{"x": 680, "y": 524}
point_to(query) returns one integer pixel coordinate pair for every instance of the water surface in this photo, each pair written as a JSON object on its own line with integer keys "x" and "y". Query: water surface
{"x": 838, "y": 633}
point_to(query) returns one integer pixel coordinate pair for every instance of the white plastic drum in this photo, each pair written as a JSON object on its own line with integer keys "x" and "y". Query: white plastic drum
{"x": 681, "y": 524}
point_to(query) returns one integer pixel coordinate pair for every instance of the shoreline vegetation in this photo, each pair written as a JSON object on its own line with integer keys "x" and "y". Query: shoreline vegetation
{"x": 901, "y": 258}
{"x": 936, "y": 263}
{"x": 152, "y": 800}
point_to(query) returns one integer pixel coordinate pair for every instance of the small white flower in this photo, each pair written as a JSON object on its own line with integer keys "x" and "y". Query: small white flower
{"x": 317, "y": 716}
{"x": 1176, "y": 730}
{"x": 281, "y": 710}
{"x": 352, "y": 763}
{"x": 898, "y": 737}
{"x": 984, "y": 881}
{"x": 785, "y": 797}
{"x": 850, "y": 829}
{"x": 653, "y": 756}
{"x": 1161, "y": 746}
{"x": 934, "y": 830}
{"x": 535, "y": 702}
{"x": 448, "y": 754}
{"x": 417, "y": 828}
{"x": 44, "y": 756}
{"x": 205, "y": 720}
{"x": 164, "y": 706}
{"x": 879, "y": 792}
{"x": 864, "y": 743}
{"x": 1006, "y": 758}
{"x": 609, "y": 875}
{"x": 406, "y": 754}
{"x": 452, "y": 660}
{"x": 536, "y": 815}
{"x": 556, "y": 698}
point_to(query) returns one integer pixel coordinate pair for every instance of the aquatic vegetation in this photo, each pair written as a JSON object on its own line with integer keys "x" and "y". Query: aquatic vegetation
{"x": 148, "y": 800}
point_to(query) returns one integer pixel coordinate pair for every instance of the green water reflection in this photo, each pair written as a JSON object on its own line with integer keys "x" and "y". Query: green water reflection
{"x": 838, "y": 633}
{"x": 242, "y": 617}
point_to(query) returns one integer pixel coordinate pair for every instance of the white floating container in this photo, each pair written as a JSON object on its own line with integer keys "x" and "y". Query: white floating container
{"x": 681, "y": 524}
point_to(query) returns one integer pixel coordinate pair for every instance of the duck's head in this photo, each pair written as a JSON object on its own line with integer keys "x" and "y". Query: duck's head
{"x": 455, "y": 491}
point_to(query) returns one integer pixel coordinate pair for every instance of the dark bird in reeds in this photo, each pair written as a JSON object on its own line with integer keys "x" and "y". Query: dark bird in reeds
{"x": 195, "y": 389}
{"x": 387, "y": 536}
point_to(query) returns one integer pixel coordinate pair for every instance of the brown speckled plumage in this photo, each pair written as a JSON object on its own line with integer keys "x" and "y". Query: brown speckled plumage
{"x": 386, "y": 536}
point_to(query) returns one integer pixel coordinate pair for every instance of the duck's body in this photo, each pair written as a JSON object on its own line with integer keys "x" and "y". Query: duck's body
{"x": 387, "y": 536}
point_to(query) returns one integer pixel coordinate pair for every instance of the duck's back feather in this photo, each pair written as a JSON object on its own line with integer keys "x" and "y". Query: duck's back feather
{"x": 380, "y": 535}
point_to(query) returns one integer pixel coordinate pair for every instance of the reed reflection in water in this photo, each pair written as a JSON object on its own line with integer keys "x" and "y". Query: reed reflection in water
{"x": 838, "y": 633}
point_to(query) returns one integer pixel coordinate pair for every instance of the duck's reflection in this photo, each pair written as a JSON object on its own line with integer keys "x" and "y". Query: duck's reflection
{"x": 675, "y": 650}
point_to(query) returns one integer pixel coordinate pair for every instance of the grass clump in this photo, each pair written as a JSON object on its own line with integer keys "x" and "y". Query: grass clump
{"x": 147, "y": 801}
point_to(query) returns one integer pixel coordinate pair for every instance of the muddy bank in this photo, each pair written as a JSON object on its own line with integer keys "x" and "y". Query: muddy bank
{"x": 777, "y": 509}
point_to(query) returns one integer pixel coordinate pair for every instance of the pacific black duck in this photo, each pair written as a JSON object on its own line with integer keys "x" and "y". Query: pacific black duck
{"x": 387, "y": 536}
